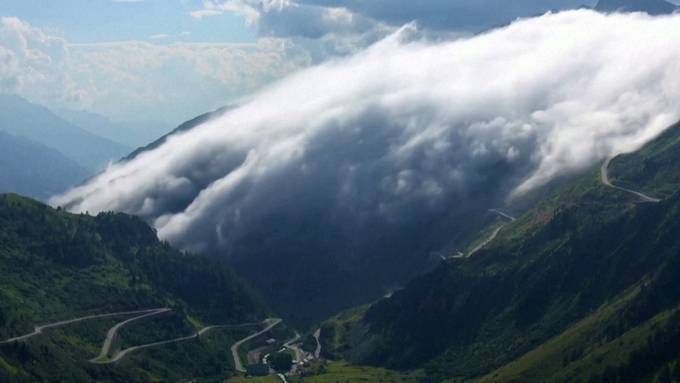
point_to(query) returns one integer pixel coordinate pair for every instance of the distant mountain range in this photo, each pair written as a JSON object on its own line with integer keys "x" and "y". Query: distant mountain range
{"x": 128, "y": 133}
{"x": 37, "y": 123}
{"x": 41, "y": 154}
{"x": 35, "y": 170}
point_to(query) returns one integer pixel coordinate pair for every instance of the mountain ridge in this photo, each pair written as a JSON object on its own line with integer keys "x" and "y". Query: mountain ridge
{"x": 35, "y": 122}
{"x": 128, "y": 133}
{"x": 32, "y": 169}
{"x": 587, "y": 248}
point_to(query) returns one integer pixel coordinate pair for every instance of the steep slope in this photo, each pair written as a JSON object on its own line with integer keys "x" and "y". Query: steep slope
{"x": 22, "y": 118}
{"x": 655, "y": 169}
{"x": 589, "y": 256}
{"x": 622, "y": 341}
{"x": 185, "y": 126}
{"x": 653, "y": 7}
{"x": 57, "y": 266}
{"x": 128, "y": 133}
{"x": 303, "y": 285}
{"x": 32, "y": 169}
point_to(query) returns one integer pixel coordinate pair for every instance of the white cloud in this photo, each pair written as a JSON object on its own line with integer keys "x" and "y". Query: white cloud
{"x": 324, "y": 32}
{"x": 26, "y": 53}
{"x": 249, "y": 9}
{"x": 401, "y": 134}
{"x": 286, "y": 18}
{"x": 159, "y": 36}
{"x": 201, "y": 13}
{"x": 137, "y": 80}
{"x": 194, "y": 77}
{"x": 435, "y": 15}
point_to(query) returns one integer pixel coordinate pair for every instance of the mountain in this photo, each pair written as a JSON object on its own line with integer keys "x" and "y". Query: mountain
{"x": 37, "y": 123}
{"x": 183, "y": 127}
{"x": 128, "y": 133}
{"x": 582, "y": 288}
{"x": 314, "y": 265}
{"x": 653, "y": 169}
{"x": 57, "y": 266}
{"x": 32, "y": 169}
{"x": 653, "y": 7}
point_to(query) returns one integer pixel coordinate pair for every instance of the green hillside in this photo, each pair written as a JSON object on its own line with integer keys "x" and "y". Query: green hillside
{"x": 654, "y": 169}
{"x": 583, "y": 287}
{"x": 57, "y": 266}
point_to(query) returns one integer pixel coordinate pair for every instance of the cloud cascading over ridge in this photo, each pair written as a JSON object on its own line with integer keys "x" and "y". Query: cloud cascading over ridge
{"x": 402, "y": 134}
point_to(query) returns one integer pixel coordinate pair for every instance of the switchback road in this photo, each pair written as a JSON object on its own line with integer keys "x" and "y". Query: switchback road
{"x": 120, "y": 355}
{"x": 604, "y": 172}
{"x": 111, "y": 334}
{"x": 494, "y": 233}
{"x": 238, "y": 365}
{"x": 317, "y": 335}
{"x": 39, "y": 329}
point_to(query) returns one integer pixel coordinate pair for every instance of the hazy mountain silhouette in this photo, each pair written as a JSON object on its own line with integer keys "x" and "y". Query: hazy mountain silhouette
{"x": 23, "y": 118}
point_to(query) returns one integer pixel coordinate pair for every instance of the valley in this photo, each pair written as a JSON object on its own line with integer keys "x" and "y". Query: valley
{"x": 486, "y": 276}
{"x": 118, "y": 345}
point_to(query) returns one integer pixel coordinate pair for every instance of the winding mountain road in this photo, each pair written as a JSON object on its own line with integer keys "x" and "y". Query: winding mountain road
{"x": 299, "y": 354}
{"x": 39, "y": 329}
{"x": 494, "y": 234}
{"x": 238, "y": 365}
{"x": 123, "y": 353}
{"x": 504, "y": 215}
{"x": 120, "y": 355}
{"x": 604, "y": 172}
{"x": 111, "y": 334}
{"x": 487, "y": 241}
{"x": 317, "y": 335}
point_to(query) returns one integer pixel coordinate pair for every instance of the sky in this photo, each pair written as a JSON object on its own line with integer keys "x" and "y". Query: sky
{"x": 134, "y": 60}
{"x": 160, "y": 21}
{"x": 170, "y": 60}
